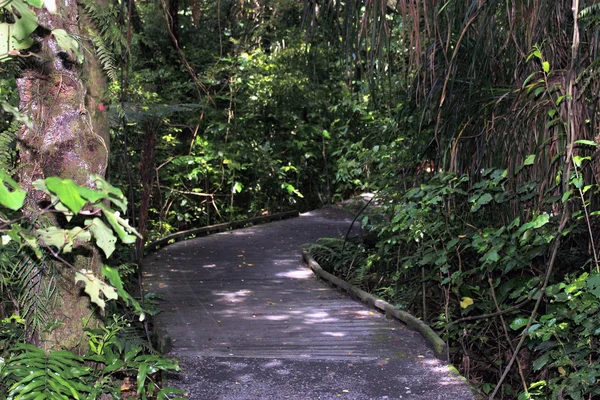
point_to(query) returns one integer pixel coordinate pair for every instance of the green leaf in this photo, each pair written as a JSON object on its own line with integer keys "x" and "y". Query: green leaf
{"x": 237, "y": 187}
{"x": 546, "y": 66}
{"x": 36, "y": 3}
{"x": 93, "y": 196}
{"x": 11, "y": 194}
{"x": 15, "y": 36}
{"x": 121, "y": 226}
{"x": 67, "y": 192}
{"x": 586, "y": 142}
{"x": 480, "y": 201}
{"x": 566, "y": 196}
{"x": 529, "y": 160}
{"x": 538, "y": 222}
{"x": 593, "y": 284}
{"x": 491, "y": 256}
{"x": 326, "y": 134}
{"x": 103, "y": 235}
{"x": 94, "y": 287}
{"x": 114, "y": 194}
{"x": 68, "y": 43}
{"x": 519, "y": 323}
{"x": 114, "y": 278}
{"x": 52, "y": 236}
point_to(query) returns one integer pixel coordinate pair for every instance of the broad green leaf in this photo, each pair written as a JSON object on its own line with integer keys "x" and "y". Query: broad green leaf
{"x": 114, "y": 194}
{"x": 593, "y": 284}
{"x": 68, "y": 43}
{"x": 52, "y": 236}
{"x": 67, "y": 192}
{"x": 490, "y": 256}
{"x": 15, "y": 36}
{"x": 11, "y": 194}
{"x": 91, "y": 195}
{"x": 538, "y": 222}
{"x": 103, "y": 235}
{"x": 519, "y": 323}
{"x": 94, "y": 287}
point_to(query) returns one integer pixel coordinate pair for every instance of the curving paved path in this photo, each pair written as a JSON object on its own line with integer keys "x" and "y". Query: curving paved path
{"x": 250, "y": 322}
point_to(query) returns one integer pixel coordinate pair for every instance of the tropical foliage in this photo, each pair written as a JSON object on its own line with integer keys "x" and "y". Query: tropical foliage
{"x": 475, "y": 123}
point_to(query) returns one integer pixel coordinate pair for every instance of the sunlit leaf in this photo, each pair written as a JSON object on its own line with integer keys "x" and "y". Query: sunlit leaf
{"x": 519, "y": 323}
{"x": 466, "y": 302}
{"x": 103, "y": 235}
{"x": 11, "y": 194}
{"x": 67, "y": 191}
{"x": 94, "y": 287}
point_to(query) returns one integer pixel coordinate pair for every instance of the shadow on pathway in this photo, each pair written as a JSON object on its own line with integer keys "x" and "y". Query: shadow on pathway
{"x": 250, "y": 322}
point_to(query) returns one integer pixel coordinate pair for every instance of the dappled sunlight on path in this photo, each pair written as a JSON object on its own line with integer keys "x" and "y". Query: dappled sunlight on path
{"x": 250, "y": 321}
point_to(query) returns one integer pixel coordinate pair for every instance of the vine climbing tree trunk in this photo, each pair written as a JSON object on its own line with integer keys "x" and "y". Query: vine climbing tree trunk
{"x": 68, "y": 138}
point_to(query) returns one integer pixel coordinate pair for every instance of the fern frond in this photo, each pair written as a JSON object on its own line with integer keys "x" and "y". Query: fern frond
{"x": 30, "y": 283}
{"x": 8, "y": 147}
{"x": 34, "y": 374}
{"x": 589, "y": 11}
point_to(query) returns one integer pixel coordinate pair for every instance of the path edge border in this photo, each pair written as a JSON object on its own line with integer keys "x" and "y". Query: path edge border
{"x": 212, "y": 229}
{"x": 433, "y": 340}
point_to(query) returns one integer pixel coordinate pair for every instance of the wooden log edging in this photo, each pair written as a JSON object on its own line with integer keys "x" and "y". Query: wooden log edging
{"x": 433, "y": 340}
{"x": 211, "y": 229}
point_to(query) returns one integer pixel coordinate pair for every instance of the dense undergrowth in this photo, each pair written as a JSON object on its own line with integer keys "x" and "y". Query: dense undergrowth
{"x": 475, "y": 123}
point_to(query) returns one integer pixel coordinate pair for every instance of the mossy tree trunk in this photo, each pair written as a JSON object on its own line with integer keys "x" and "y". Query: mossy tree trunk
{"x": 69, "y": 139}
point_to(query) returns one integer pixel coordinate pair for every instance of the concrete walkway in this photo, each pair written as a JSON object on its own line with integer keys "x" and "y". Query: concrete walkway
{"x": 250, "y": 322}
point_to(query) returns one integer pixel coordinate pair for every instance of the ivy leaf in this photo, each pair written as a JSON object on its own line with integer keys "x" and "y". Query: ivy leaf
{"x": 67, "y": 192}
{"x": 11, "y": 194}
{"x": 95, "y": 286}
{"x": 103, "y": 235}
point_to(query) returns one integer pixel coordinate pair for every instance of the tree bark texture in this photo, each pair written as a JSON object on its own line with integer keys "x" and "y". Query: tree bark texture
{"x": 68, "y": 139}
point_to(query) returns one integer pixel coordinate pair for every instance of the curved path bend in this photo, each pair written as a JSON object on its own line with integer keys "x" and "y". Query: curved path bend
{"x": 249, "y": 321}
